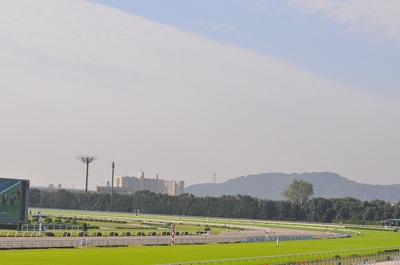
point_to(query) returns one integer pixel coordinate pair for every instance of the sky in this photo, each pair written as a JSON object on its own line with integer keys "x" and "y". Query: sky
{"x": 192, "y": 89}
{"x": 347, "y": 41}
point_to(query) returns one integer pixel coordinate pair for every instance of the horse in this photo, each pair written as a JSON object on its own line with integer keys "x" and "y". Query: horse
{"x": 4, "y": 199}
{"x": 12, "y": 199}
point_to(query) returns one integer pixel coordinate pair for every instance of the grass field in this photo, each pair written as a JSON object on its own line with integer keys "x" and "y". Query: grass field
{"x": 186, "y": 253}
{"x": 181, "y": 253}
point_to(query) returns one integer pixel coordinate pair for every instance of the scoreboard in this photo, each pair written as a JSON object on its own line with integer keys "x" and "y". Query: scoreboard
{"x": 13, "y": 200}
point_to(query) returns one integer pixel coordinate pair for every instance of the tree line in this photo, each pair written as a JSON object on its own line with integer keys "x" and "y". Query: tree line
{"x": 240, "y": 206}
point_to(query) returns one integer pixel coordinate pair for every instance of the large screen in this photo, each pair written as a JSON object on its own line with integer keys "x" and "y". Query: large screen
{"x": 13, "y": 200}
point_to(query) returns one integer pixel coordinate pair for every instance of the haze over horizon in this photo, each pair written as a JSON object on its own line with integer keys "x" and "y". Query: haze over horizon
{"x": 152, "y": 93}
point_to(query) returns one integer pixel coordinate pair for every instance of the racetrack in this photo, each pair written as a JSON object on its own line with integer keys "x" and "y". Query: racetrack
{"x": 108, "y": 241}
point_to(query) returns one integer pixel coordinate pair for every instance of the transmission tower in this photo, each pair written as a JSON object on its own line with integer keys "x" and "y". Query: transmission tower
{"x": 87, "y": 160}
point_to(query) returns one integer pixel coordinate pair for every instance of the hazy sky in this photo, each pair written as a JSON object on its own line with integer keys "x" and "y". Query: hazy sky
{"x": 351, "y": 42}
{"x": 186, "y": 89}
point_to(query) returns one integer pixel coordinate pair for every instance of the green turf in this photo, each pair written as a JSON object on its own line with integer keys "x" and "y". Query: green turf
{"x": 181, "y": 253}
{"x": 186, "y": 253}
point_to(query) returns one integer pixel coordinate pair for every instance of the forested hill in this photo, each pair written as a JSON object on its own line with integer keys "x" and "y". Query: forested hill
{"x": 271, "y": 186}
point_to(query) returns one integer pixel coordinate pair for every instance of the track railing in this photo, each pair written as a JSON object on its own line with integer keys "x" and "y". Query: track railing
{"x": 350, "y": 257}
{"x": 57, "y": 242}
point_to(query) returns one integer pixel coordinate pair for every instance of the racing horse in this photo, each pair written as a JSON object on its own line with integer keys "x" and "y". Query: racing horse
{"x": 4, "y": 199}
{"x": 12, "y": 199}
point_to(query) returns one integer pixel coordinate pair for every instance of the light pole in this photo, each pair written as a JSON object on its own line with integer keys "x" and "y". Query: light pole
{"x": 87, "y": 160}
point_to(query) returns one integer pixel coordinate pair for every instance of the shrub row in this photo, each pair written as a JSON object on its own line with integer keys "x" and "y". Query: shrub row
{"x": 83, "y": 233}
{"x": 151, "y": 233}
{"x": 8, "y": 226}
{"x": 102, "y": 220}
{"x": 358, "y": 222}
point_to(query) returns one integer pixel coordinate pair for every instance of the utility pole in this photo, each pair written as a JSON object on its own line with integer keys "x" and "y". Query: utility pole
{"x": 112, "y": 183}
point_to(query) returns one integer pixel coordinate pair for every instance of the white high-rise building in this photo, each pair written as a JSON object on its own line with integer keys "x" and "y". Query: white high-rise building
{"x": 128, "y": 184}
{"x": 123, "y": 181}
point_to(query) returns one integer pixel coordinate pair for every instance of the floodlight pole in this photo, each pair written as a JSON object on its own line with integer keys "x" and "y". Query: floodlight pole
{"x": 87, "y": 160}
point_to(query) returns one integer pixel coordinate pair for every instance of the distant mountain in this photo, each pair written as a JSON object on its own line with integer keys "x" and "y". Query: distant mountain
{"x": 271, "y": 186}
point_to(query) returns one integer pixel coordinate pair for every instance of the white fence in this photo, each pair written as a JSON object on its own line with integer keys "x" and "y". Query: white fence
{"x": 57, "y": 242}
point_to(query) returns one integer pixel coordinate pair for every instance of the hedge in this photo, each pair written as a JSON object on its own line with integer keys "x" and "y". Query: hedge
{"x": 8, "y": 226}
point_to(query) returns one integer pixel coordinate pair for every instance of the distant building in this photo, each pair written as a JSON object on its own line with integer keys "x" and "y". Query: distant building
{"x": 53, "y": 188}
{"x": 392, "y": 222}
{"x": 126, "y": 181}
{"x": 126, "y": 184}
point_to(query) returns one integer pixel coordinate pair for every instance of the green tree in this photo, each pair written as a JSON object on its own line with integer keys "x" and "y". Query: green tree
{"x": 319, "y": 210}
{"x": 34, "y": 197}
{"x": 19, "y": 226}
{"x": 299, "y": 192}
{"x": 283, "y": 210}
{"x": 268, "y": 209}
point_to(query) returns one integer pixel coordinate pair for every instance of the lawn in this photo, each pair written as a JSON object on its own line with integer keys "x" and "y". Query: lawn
{"x": 129, "y": 222}
{"x": 187, "y": 253}
{"x": 184, "y": 253}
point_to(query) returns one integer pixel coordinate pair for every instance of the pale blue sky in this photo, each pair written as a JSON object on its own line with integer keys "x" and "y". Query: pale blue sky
{"x": 185, "y": 89}
{"x": 280, "y": 29}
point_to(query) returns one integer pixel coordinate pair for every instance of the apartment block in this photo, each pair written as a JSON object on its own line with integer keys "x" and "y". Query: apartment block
{"x": 127, "y": 184}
